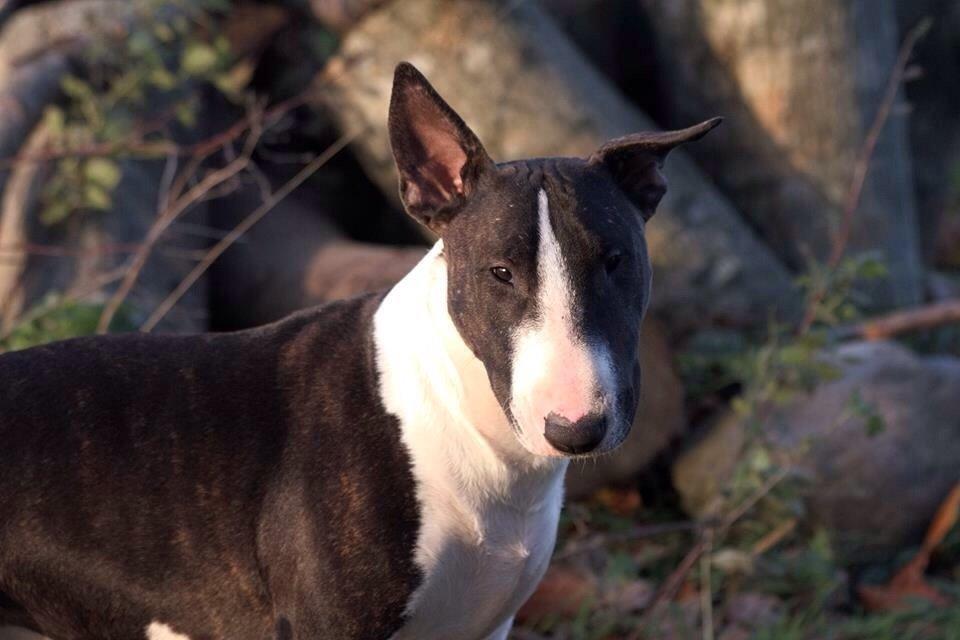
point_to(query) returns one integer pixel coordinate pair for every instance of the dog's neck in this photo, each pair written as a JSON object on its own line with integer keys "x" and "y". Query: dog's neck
{"x": 439, "y": 390}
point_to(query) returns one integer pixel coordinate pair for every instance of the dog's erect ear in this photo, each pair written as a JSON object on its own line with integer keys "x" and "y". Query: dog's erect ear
{"x": 635, "y": 162}
{"x": 439, "y": 159}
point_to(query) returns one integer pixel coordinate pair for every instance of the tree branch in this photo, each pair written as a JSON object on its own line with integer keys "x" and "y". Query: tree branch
{"x": 914, "y": 319}
{"x": 217, "y": 250}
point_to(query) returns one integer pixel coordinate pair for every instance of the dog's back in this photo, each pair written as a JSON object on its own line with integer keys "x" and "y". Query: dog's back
{"x": 133, "y": 484}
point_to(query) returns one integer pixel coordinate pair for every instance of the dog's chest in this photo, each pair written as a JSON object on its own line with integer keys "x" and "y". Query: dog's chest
{"x": 479, "y": 565}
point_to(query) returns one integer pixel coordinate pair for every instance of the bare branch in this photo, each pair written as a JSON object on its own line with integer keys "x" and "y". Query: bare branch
{"x": 177, "y": 206}
{"x": 915, "y": 319}
{"x": 862, "y": 165}
{"x": 217, "y": 250}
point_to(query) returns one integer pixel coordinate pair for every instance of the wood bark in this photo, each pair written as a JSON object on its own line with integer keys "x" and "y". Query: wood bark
{"x": 934, "y": 126}
{"x": 801, "y": 82}
{"x": 526, "y": 91}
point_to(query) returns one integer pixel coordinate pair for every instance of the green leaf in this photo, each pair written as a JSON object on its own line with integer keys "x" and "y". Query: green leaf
{"x": 198, "y": 59}
{"x": 56, "y": 319}
{"x": 163, "y": 32}
{"x": 140, "y": 43}
{"x": 162, "y": 79}
{"x": 741, "y": 406}
{"x": 222, "y": 45}
{"x": 103, "y": 172}
{"x": 795, "y": 355}
{"x": 54, "y": 120}
{"x": 54, "y": 212}
{"x": 875, "y": 425}
{"x": 186, "y": 113}
{"x": 96, "y": 197}
{"x": 75, "y": 88}
{"x": 233, "y": 81}
{"x": 872, "y": 268}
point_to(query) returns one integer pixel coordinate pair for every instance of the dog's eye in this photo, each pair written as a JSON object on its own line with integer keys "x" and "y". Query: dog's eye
{"x": 502, "y": 274}
{"x": 612, "y": 261}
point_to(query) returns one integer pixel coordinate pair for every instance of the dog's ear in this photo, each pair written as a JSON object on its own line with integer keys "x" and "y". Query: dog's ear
{"x": 439, "y": 159}
{"x": 635, "y": 162}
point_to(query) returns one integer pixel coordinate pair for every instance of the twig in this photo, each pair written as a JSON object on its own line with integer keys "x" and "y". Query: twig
{"x": 774, "y": 538}
{"x": 862, "y": 166}
{"x": 217, "y": 250}
{"x": 748, "y": 504}
{"x": 915, "y": 319}
{"x": 706, "y": 588}
{"x": 139, "y": 146}
{"x": 676, "y": 579}
{"x": 605, "y": 539}
{"x": 167, "y": 217}
{"x": 166, "y": 180}
{"x": 51, "y": 250}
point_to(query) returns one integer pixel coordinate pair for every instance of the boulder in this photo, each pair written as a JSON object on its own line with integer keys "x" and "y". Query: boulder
{"x": 874, "y": 485}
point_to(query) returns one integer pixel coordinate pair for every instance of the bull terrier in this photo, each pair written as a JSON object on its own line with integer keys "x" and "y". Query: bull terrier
{"x": 389, "y": 466}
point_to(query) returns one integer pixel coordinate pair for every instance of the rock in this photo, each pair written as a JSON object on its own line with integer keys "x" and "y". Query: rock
{"x": 700, "y": 473}
{"x": 874, "y": 489}
{"x": 753, "y": 610}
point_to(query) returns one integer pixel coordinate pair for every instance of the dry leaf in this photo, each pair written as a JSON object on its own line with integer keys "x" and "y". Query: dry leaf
{"x": 561, "y": 593}
{"x": 629, "y": 597}
{"x": 943, "y": 521}
{"x": 622, "y": 502}
{"x": 909, "y": 583}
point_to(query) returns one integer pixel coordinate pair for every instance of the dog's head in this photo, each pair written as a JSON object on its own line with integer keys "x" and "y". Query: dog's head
{"x": 547, "y": 267}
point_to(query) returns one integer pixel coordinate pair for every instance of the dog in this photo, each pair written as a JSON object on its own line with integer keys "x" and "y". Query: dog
{"x": 388, "y": 466}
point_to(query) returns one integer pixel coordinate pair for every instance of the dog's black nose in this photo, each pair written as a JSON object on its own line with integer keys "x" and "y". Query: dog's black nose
{"x": 575, "y": 437}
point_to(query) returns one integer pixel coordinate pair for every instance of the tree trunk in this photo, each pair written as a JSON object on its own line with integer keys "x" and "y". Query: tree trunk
{"x": 527, "y": 92}
{"x": 934, "y": 126}
{"x": 801, "y": 82}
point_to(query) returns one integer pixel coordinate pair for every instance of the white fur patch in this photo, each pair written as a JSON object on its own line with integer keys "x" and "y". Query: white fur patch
{"x": 554, "y": 370}
{"x": 489, "y": 508}
{"x": 157, "y": 630}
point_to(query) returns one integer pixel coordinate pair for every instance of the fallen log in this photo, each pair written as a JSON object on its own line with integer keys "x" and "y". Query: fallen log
{"x": 526, "y": 91}
{"x": 801, "y": 83}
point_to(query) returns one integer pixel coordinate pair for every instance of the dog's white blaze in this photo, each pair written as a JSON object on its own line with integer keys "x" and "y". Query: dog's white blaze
{"x": 157, "y": 630}
{"x": 554, "y": 370}
{"x": 489, "y": 508}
